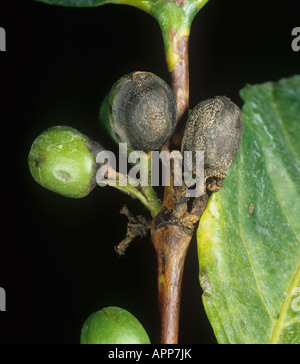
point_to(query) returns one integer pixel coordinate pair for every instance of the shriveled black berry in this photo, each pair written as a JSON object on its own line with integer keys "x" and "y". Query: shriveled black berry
{"x": 215, "y": 126}
{"x": 142, "y": 111}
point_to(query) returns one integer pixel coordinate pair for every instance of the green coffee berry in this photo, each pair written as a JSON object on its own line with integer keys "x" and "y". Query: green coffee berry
{"x": 113, "y": 325}
{"x": 142, "y": 111}
{"x": 215, "y": 126}
{"x": 62, "y": 160}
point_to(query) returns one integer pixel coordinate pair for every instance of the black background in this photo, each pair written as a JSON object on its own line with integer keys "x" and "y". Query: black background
{"x": 57, "y": 262}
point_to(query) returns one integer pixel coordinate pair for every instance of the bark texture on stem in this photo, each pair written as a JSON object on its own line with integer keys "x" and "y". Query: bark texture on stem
{"x": 180, "y": 73}
{"x": 180, "y": 84}
{"x": 171, "y": 245}
{"x": 172, "y": 231}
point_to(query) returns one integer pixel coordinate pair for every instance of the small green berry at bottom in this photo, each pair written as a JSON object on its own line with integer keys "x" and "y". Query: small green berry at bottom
{"x": 113, "y": 325}
{"x": 62, "y": 161}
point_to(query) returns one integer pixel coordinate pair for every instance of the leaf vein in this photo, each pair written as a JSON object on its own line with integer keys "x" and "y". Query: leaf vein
{"x": 278, "y": 327}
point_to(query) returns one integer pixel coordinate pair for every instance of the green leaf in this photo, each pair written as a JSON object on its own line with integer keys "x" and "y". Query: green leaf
{"x": 188, "y": 5}
{"x": 249, "y": 235}
{"x": 141, "y": 4}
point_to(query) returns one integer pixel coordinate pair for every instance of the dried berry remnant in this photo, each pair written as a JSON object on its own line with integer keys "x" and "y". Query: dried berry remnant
{"x": 62, "y": 160}
{"x": 215, "y": 126}
{"x": 142, "y": 111}
{"x": 251, "y": 208}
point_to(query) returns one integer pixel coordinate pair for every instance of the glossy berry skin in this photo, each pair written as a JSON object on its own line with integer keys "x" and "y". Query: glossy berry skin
{"x": 215, "y": 126}
{"x": 142, "y": 111}
{"x": 62, "y": 160}
{"x": 113, "y": 325}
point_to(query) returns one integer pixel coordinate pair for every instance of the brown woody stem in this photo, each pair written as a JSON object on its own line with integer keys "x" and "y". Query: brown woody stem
{"x": 180, "y": 73}
{"x": 171, "y": 242}
{"x": 171, "y": 233}
{"x": 171, "y": 245}
{"x": 173, "y": 227}
{"x": 180, "y": 83}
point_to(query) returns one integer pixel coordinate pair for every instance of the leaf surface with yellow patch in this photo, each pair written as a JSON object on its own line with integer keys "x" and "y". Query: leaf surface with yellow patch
{"x": 249, "y": 234}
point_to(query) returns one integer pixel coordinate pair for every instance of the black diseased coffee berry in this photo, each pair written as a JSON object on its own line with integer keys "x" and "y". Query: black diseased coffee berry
{"x": 142, "y": 111}
{"x": 215, "y": 126}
